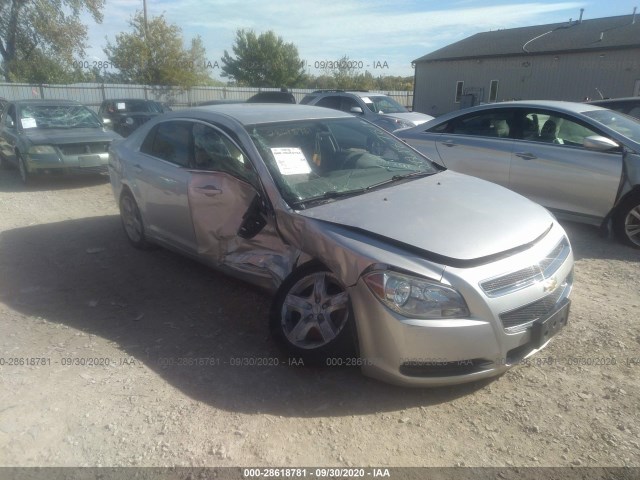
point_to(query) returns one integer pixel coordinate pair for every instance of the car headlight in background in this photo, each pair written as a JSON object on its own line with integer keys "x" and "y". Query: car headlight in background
{"x": 416, "y": 297}
{"x": 42, "y": 150}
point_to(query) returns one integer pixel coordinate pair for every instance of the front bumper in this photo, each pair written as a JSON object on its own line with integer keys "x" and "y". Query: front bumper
{"x": 68, "y": 165}
{"x": 418, "y": 352}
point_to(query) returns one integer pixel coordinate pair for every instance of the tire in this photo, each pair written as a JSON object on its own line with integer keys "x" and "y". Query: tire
{"x": 25, "y": 176}
{"x": 626, "y": 221}
{"x": 132, "y": 221}
{"x": 311, "y": 317}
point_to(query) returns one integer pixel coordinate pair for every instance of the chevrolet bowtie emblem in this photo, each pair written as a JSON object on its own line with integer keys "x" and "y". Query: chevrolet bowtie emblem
{"x": 549, "y": 285}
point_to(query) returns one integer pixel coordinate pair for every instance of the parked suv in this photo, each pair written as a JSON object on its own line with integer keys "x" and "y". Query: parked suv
{"x": 378, "y": 108}
{"x": 124, "y": 115}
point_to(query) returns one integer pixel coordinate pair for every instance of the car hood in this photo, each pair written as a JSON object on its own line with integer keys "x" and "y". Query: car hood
{"x": 69, "y": 135}
{"x": 412, "y": 117}
{"x": 450, "y": 217}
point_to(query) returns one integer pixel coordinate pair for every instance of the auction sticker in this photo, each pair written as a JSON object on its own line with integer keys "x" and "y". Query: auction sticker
{"x": 291, "y": 161}
{"x": 28, "y": 123}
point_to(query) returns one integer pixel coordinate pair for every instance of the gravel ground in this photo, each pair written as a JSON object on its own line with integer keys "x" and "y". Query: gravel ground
{"x": 98, "y": 321}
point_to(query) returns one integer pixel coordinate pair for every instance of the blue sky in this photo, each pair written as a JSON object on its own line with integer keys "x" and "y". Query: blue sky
{"x": 381, "y": 36}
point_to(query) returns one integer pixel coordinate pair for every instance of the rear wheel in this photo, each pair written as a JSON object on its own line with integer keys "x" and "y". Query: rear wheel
{"x": 312, "y": 318}
{"x": 132, "y": 221}
{"x": 626, "y": 221}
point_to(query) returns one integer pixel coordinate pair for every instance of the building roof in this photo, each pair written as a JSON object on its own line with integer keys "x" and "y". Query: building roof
{"x": 575, "y": 36}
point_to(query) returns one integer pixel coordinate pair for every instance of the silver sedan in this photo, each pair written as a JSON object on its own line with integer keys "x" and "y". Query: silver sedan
{"x": 579, "y": 160}
{"x": 358, "y": 235}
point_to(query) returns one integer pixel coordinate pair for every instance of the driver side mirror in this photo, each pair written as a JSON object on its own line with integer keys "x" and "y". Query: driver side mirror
{"x": 599, "y": 143}
{"x": 356, "y": 110}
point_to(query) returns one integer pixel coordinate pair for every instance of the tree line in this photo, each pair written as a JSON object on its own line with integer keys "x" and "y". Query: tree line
{"x": 44, "y": 42}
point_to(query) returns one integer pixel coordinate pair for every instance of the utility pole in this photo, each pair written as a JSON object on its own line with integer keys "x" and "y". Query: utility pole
{"x": 144, "y": 7}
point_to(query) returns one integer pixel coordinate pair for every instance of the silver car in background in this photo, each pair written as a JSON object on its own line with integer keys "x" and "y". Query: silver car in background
{"x": 579, "y": 160}
{"x": 378, "y": 257}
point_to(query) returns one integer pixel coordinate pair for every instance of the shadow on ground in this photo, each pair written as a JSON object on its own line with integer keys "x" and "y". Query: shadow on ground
{"x": 10, "y": 182}
{"x": 157, "y": 305}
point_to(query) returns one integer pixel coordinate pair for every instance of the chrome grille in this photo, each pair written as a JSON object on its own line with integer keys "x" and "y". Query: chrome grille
{"x": 511, "y": 282}
{"x": 520, "y": 318}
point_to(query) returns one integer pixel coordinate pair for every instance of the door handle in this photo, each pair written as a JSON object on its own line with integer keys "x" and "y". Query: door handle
{"x": 525, "y": 155}
{"x": 137, "y": 168}
{"x": 209, "y": 190}
{"x": 449, "y": 143}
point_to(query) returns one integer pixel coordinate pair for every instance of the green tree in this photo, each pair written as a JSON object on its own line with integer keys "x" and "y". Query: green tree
{"x": 157, "y": 56}
{"x": 40, "y": 38}
{"x": 263, "y": 60}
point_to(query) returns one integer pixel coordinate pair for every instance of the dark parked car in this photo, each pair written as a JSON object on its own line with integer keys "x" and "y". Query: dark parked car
{"x": 53, "y": 137}
{"x": 628, "y": 105}
{"x": 272, "y": 97}
{"x": 124, "y": 115}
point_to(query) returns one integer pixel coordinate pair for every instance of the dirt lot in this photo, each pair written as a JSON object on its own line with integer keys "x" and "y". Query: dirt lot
{"x": 99, "y": 319}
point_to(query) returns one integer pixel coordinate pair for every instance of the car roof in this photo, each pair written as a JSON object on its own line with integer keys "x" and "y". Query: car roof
{"x": 558, "y": 105}
{"x": 258, "y": 113}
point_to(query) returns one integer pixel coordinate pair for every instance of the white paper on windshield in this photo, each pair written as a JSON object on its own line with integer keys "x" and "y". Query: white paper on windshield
{"x": 291, "y": 161}
{"x": 367, "y": 100}
{"x": 29, "y": 123}
{"x": 120, "y": 106}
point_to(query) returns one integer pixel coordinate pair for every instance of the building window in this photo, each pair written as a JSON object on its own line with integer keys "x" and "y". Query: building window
{"x": 493, "y": 91}
{"x": 459, "y": 90}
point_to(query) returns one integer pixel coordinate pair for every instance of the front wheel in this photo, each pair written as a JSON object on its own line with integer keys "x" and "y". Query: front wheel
{"x": 626, "y": 221}
{"x": 312, "y": 318}
{"x": 25, "y": 176}
{"x": 132, "y": 221}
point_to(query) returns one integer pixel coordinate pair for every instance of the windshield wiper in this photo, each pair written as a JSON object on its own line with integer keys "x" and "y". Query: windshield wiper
{"x": 330, "y": 195}
{"x": 395, "y": 178}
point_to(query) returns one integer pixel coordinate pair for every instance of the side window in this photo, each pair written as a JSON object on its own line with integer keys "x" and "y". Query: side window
{"x": 171, "y": 142}
{"x": 329, "y": 102}
{"x": 552, "y": 127}
{"x": 212, "y": 150}
{"x": 348, "y": 104}
{"x": 485, "y": 124}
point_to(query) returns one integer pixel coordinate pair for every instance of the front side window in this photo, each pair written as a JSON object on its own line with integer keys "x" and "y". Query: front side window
{"x": 619, "y": 122}
{"x": 551, "y": 127}
{"x": 171, "y": 142}
{"x": 213, "y": 151}
{"x": 329, "y": 102}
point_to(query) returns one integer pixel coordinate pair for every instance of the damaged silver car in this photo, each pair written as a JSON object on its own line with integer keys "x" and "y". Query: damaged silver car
{"x": 377, "y": 257}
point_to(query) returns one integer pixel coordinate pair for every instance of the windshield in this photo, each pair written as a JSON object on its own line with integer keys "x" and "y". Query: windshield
{"x": 315, "y": 160}
{"x": 619, "y": 122}
{"x": 58, "y": 116}
{"x": 383, "y": 104}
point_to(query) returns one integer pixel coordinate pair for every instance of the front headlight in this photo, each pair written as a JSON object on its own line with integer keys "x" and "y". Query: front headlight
{"x": 41, "y": 150}
{"x": 128, "y": 121}
{"x": 416, "y": 297}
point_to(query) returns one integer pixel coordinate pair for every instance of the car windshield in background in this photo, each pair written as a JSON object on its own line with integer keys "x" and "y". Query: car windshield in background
{"x": 382, "y": 104}
{"x": 621, "y": 123}
{"x": 319, "y": 160}
{"x": 57, "y": 116}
